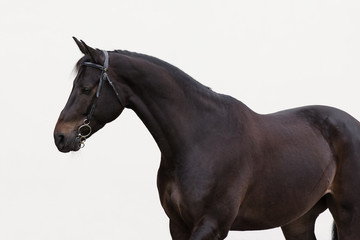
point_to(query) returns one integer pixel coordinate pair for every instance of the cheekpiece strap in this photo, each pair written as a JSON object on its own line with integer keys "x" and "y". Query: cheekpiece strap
{"x": 103, "y": 77}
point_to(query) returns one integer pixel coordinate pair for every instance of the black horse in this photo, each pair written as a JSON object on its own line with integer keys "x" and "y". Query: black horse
{"x": 223, "y": 166}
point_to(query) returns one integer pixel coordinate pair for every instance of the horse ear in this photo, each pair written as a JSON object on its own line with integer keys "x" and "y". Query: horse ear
{"x": 85, "y": 49}
{"x": 90, "y": 51}
{"x": 80, "y": 45}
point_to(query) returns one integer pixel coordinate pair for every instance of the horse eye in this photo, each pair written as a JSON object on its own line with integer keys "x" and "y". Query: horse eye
{"x": 85, "y": 90}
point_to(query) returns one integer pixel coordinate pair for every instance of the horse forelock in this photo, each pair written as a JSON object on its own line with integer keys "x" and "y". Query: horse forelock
{"x": 80, "y": 63}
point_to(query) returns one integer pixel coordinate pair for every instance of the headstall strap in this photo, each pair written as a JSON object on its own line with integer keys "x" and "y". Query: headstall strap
{"x": 84, "y": 130}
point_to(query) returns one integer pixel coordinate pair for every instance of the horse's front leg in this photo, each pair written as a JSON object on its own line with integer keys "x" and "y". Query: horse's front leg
{"x": 210, "y": 225}
{"x": 207, "y": 229}
{"x": 179, "y": 231}
{"x": 213, "y": 216}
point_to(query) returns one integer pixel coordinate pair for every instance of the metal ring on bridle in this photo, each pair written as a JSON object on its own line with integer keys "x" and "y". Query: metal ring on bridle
{"x": 84, "y": 130}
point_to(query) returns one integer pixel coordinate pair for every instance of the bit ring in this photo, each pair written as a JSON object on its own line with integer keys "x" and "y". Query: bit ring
{"x": 84, "y": 130}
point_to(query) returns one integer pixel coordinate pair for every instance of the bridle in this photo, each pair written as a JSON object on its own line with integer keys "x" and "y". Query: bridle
{"x": 84, "y": 130}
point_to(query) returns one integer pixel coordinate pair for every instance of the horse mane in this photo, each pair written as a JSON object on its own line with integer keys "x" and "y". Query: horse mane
{"x": 179, "y": 75}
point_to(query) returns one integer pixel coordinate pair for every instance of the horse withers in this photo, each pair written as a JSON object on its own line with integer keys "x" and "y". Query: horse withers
{"x": 223, "y": 166}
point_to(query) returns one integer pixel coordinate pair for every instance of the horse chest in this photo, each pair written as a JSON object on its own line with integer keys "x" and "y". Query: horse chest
{"x": 171, "y": 199}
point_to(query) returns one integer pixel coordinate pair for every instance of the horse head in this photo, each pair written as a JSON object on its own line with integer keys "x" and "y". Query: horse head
{"x": 92, "y": 102}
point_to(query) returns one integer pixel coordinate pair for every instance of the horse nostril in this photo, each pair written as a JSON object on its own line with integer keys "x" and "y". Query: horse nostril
{"x": 59, "y": 140}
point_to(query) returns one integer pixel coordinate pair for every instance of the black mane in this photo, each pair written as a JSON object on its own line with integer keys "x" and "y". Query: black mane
{"x": 176, "y": 72}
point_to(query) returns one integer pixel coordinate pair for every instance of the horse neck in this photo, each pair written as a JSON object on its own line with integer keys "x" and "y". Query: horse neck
{"x": 176, "y": 109}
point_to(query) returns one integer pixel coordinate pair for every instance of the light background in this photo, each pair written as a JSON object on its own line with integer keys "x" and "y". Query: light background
{"x": 271, "y": 55}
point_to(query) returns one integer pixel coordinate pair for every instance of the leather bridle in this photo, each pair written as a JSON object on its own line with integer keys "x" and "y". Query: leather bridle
{"x": 84, "y": 130}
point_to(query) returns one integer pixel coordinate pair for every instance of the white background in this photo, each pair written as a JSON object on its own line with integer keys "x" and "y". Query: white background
{"x": 271, "y": 55}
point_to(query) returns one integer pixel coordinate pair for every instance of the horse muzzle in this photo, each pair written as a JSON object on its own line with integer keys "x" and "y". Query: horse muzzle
{"x": 66, "y": 137}
{"x": 66, "y": 143}
{"x": 73, "y": 140}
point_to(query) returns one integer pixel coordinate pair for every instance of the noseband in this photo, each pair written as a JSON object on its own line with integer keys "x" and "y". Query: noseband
{"x": 84, "y": 130}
